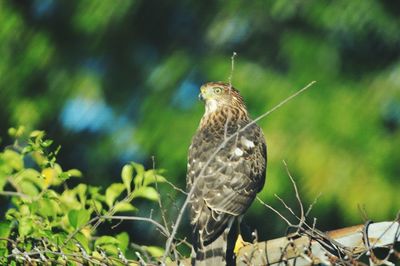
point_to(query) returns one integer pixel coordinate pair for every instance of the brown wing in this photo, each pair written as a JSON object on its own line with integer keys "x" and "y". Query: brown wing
{"x": 229, "y": 182}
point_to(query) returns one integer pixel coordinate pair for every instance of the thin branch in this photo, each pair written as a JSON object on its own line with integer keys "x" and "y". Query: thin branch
{"x": 302, "y": 217}
{"x": 286, "y": 206}
{"x": 312, "y": 205}
{"x": 14, "y": 193}
{"x": 275, "y": 211}
{"x": 159, "y": 198}
{"x": 234, "y": 54}
{"x": 71, "y": 235}
{"x": 175, "y": 187}
{"x": 137, "y": 218}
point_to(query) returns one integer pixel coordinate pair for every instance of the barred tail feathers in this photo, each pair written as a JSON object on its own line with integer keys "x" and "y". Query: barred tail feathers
{"x": 212, "y": 254}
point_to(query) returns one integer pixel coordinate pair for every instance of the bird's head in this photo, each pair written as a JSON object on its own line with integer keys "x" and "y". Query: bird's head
{"x": 217, "y": 95}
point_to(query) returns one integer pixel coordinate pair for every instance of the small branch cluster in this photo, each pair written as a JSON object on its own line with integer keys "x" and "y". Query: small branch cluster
{"x": 308, "y": 245}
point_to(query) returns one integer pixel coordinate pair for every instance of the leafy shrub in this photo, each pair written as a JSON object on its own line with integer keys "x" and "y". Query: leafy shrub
{"x": 46, "y": 221}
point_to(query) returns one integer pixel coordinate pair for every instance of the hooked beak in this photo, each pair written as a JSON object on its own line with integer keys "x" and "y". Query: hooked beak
{"x": 201, "y": 97}
{"x": 202, "y": 94}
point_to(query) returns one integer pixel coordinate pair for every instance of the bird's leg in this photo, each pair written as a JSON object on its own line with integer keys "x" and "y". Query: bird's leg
{"x": 239, "y": 241}
{"x": 228, "y": 248}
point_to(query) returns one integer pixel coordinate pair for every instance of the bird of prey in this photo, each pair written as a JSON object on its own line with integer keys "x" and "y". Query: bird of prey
{"x": 226, "y": 169}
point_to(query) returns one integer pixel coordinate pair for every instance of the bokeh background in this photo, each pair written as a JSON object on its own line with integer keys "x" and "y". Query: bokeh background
{"x": 117, "y": 81}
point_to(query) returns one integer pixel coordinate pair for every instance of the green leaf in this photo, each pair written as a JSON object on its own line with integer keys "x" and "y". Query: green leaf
{"x": 13, "y": 159}
{"x": 81, "y": 190}
{"x": 25, "y": 226}
{"x": 96, "y": 205}
{"x": 106, "y": 240}
{"x": 5, "y": 230}
{"x": 69, "y": 200}
{"x": 127, "y": 176}
{"x": 47, "y": 207}
{"x": 11, "y": 214}
{"x": 33, "y": 176}
{"x": 77, "y": 218}
{"x": 27, "y": 149}
{"x": 59, "y": 238}
{"x": 64, "y": 176}
{"x": 36, "y": 133}
{"x": 83, "y": 241}
{"x": 12, "y": 132}
{"x": 138, "y": 180}
{"x": 154, "y": 251}
{"x": 3, "y": 181}
{"x": 151, "y": 177}
{"x": 24, "y": 209}
{"x": 146, "y": 192}
{"x": 74, "y": 173}
{"x": 123, "y": 207}
{"x": 113, "y": 192}
{"x": 110, "y": 249}
{"x": 123, "y": 239}
{"x": 28, "y": 188}
{"x": 47, "y": 143}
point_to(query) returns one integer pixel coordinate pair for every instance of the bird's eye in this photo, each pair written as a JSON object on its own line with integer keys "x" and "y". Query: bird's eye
{"x": 217, "y": 90}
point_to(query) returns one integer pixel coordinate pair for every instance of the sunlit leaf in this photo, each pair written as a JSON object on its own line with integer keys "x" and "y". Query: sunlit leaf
{"x": 97, "y": 206}
{"x": 33, "y": 176}
{"x": 138, "y": 180}
{"x": 113, "y": 192}
{"x": 49, "y": 175}
{"x": 25, "y": 226}
{"x": 146, "y": 192}
{"x": 47, "y": 143}
{"x": 3, "y": 181}
{"x": 74, "y": 173}
{"x": 13, "y": 159}
{"x": 106, "y": 240}
{"x": 36, "y": 133}
{"x": 81, "y": 191}
{"x": 152, "y": 176}
{"x": 25, "y": 209}
{"x": 47, "y": 207}
{"x": 123, "y": 239}
{"x": 110, "y": 249}
{"x": 77, "y": 218}
{"x": 154, "y": 250}
{"x": 127, "y": 176}
{"x": 28, "y": 188}
{"x": 123, "y": 207}
{"x": 69, "y": 200}
{"x": 5, "y": 230}
{"x": 83, "y": 241}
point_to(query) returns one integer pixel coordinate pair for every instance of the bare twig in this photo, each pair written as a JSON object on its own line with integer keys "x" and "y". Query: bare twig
{"x": 159, "y": 198}
{"x": 137, "y": 218}
{"x": 302, "y": 217}
{"x": 14, "y": 193}
{"x": 287, "y": 206}
{"x": 275, "y": 211}
{"x": 312, "y": 205}
{"x": 175, "y": 187}
{"x": 142, "y": 262}
{"x": 234, "y": 54}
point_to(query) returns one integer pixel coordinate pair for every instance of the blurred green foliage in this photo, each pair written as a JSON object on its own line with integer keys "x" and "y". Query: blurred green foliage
{"x": 115, "y": 83}
{"x": 48, "y": 224}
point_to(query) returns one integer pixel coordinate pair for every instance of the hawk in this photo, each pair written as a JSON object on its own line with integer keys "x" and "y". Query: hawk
{"x": 226, "y": 169}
